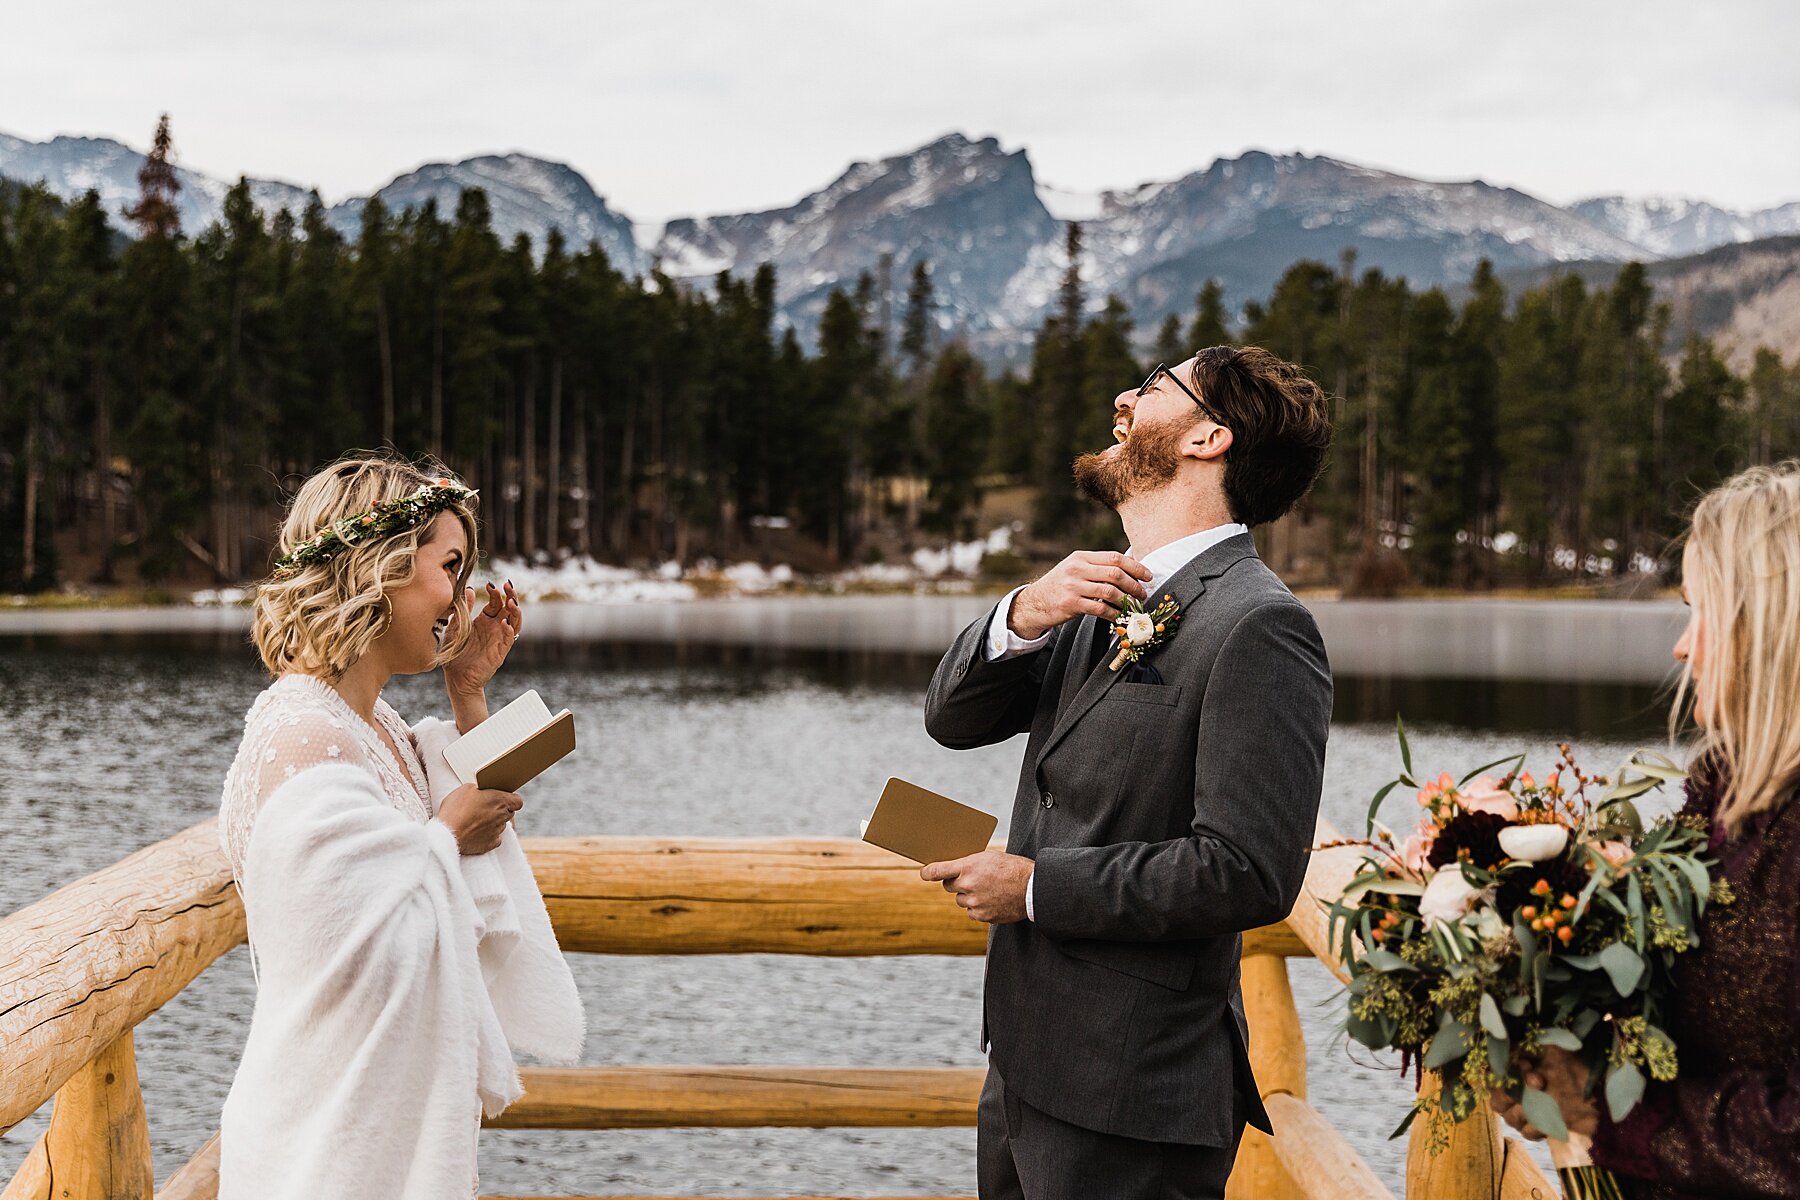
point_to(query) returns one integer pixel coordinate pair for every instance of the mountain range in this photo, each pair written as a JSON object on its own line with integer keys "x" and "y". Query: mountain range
{"x": 993, "y": 232}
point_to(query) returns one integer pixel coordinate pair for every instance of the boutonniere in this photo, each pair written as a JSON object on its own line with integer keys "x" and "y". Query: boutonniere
{"x": 1140, "y": 629}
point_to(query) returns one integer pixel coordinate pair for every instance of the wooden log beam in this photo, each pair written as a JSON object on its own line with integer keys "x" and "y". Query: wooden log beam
{"x": 827, "y": 896}
{"x": 196, "y": 1179}
{"x": 719, "y": 1097}
{"x": 1316, "y": 1156}
{"x": 1469, "y": 1167}
{"x": 98, "y": 1143}
{"x": 1278, "y": 1060}
{"x": 83, "y": 965}
{"x": 1327, "y": 871}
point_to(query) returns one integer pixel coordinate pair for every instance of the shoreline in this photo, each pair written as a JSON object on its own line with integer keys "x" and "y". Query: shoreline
{"x": 1547, "y": 640}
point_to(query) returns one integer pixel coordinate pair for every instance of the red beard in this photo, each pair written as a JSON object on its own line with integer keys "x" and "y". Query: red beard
{"x": 1145, "y": 461}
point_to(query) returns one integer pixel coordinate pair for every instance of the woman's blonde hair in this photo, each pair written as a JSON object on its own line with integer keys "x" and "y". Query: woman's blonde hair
{"x": 1743, "y": 577}
{"x": 326, "y": 616}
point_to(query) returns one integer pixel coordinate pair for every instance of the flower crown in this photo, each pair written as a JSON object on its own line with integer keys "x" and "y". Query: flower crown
{"x": 385, "y": 519}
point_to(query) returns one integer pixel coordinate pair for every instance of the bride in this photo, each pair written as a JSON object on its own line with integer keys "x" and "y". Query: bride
{"x": 401, "y": 946}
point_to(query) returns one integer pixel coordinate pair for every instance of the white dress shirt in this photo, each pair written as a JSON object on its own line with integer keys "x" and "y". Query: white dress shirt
{"x": 1162, "y": 562}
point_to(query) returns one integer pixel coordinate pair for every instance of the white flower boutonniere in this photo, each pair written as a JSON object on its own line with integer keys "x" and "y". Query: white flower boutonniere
{"x": 1140, "y": 629}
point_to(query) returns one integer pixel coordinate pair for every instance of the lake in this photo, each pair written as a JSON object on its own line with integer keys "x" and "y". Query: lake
{"x": 119, "y": 728}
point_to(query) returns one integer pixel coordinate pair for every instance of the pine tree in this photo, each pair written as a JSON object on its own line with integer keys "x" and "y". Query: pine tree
{"x": 1210, "y": 326}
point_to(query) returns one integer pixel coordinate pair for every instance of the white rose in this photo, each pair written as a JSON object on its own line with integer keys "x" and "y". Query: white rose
{"x": 1447, "y": 897}
{"x": 1140, "y": 628}
{"x": 1533, "y": 843}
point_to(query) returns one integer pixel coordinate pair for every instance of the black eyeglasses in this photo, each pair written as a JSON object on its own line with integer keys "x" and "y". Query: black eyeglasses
{"x": 1163, "y": 369}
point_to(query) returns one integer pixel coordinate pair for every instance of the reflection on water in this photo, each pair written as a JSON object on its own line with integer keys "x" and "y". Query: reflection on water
{"x": 112, "y": 743}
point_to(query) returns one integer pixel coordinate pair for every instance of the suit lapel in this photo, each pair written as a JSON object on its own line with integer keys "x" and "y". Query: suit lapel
{"x": 1186, "y": 586}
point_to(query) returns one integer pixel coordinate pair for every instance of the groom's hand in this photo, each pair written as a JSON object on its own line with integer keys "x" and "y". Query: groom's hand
{"x": 990, "y": 886}
{"x": 1087, "y": 582}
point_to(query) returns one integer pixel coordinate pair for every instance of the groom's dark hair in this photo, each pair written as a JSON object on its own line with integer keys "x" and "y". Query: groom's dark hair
{"x": 1280, "y": 424}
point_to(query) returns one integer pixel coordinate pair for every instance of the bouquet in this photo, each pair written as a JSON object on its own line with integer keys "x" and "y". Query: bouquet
{"x": 1522, "y": 914}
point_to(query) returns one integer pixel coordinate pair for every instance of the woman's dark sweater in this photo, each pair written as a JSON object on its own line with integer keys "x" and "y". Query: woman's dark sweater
{"x": 1729, "y": 1125}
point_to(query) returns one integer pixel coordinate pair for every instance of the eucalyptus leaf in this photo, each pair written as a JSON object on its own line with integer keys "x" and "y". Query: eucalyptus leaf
{"x": 1387, "y": 960}
{"x": 1490, "y": 1017}
{"x": 1450, "y": 1043}
{"x": 1403, "y": 1126}
{"x": 1623, "y": 965}
{"x": 1634, "y": 900}
{"x": 1562, "y": 1039}
{"x": 1515, "y": 1006}
{"x": 1511, "y": 758}
{"x": 1405, "y": 750}
{"x": 1624, "y": 1088}
{"x": 1375, "y": 806}
{"x": 1375, "y": 1034}
{"x": 1541, "y": 1111}
{"x": 1499, "y": 1056}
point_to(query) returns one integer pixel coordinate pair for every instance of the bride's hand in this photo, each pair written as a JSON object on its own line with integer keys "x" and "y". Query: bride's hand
{"x": 478, "y": 816}
{"x": 492, "y": 633}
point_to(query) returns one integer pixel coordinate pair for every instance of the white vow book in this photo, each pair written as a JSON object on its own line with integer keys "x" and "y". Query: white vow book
{"x": 512, "y": 747}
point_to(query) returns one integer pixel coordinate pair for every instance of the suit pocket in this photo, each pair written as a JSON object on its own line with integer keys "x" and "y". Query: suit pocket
{"x": 1165, "y": 966}
{"x": 1145, "y": 693}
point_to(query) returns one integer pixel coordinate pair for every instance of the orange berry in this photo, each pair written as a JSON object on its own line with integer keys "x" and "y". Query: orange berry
{"x": 1568, "y": 901}
{"x": 1565, "y": 935}
{"x": 1538, "y": 924}
{"x": 1528, "y": 912}
{"x": 1541, "y": 888}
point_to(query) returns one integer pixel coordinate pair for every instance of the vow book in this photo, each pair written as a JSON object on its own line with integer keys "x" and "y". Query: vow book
{"x": 921, "y": 825}
{"x": 512, "y": 747}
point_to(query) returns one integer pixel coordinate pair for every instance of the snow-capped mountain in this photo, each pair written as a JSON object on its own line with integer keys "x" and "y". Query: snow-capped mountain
{"x": 72, "y": 166}
{"x": 1244, "y": 220}
{"x": 968, "y": 208}
{"x": 525, "y": 195}
{"x": 993, "y": 233}
{"x": 1671, "y": 227}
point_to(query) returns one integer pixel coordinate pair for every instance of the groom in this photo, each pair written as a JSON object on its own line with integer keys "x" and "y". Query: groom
{"x": 1163, "y": 808}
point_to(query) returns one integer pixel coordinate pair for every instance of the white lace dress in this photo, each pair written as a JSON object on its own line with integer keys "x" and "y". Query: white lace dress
{"x": 395, "y": 976}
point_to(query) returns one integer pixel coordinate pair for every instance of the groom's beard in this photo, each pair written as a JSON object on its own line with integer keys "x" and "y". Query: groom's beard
{"x": 1145, "y": 461}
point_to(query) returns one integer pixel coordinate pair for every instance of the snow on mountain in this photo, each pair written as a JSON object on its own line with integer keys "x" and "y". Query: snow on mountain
{"x": 72, "y": 166}
{"x": 1244, "y": 220}
{"x": 966, "y": 206}
{"x": 525, "y": 195}
{"x": 993, "y": 233}
{"x": 1674, "y": 226}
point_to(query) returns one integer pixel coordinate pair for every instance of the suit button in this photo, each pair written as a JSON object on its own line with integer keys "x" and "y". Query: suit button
{"x": 1049, "y": 800}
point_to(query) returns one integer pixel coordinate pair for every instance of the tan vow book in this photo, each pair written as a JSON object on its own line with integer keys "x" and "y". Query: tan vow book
{"x": 512, "y": 747}
{"x": 926, "y": 827}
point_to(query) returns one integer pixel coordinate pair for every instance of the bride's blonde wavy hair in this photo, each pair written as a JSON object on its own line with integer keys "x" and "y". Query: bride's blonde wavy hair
{"x": 1743, "y": 577}
{"x": 324, "y": 618}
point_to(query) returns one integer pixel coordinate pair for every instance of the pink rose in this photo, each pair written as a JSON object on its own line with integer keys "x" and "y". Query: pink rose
{"x": 1415, "y": 853}
{"x": 1486, "y": 796}
{"x": 1616, "y": 854}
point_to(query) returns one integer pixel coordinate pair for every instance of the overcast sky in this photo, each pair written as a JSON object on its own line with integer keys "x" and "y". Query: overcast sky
{"x": 681, "y": 106}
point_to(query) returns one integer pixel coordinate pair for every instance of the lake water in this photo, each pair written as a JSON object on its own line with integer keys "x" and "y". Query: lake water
{"x": 116, "y": 740}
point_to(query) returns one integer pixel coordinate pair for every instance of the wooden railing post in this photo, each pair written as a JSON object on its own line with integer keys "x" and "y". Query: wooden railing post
{"x": 1469, "y": 1168}
{"x": 1278, "y": 1057}
{"x": 98, "y": 1143}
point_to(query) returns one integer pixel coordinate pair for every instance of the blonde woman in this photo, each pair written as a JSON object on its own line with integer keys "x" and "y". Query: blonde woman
{"x": 1729, "y": 1125}
{"x": 402, "y": 947}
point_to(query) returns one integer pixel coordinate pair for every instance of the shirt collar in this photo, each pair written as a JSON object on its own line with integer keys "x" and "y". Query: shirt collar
{"x": 1164, "y": 561}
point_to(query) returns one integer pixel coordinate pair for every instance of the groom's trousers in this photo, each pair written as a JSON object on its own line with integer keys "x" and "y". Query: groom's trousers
{"x": 1025, "y": 1154}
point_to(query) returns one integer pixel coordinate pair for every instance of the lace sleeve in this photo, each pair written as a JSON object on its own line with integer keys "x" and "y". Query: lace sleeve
{"x": 281, "y": 739}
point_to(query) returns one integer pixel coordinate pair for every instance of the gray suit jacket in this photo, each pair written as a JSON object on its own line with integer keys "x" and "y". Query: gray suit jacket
{"x": 1165, "y": 819}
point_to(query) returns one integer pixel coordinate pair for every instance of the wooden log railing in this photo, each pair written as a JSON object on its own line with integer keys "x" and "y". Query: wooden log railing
{"x": 82, "y": 967}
